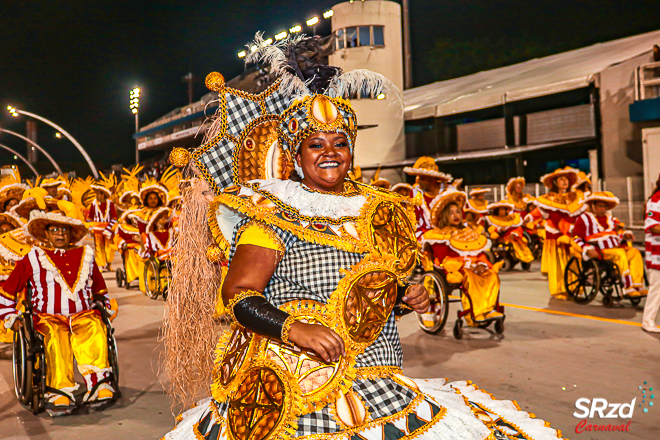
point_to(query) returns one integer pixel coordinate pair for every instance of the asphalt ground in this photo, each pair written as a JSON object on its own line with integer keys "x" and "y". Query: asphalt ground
{"x": 551, "y": 354}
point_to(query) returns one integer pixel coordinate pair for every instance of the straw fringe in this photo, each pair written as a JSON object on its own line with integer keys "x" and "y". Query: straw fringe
{"x": 189, "y": 330}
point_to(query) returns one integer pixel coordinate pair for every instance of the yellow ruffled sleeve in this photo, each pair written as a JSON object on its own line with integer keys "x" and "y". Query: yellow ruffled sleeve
{"x": 260, "y": 235}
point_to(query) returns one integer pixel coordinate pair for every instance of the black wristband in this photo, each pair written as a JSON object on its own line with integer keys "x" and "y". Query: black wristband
{"x": 255, "y": 313}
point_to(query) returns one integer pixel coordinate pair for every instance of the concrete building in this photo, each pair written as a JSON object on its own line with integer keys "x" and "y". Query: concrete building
{"x": 368, "y": 36}
{"x": 527, "y": 119}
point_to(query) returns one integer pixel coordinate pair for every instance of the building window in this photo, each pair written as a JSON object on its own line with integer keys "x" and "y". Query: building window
{"x": 361, "y": 36}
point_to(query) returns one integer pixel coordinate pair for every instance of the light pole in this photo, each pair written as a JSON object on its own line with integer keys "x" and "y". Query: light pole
{"x": 16, "y": 155}
{"x": 35, "y": 145}
{"x": 135, "y": 103}
{"x": 14, "y": 112}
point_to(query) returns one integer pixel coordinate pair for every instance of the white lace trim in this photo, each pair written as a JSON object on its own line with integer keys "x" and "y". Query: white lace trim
{"x": 85, "y": 272}
{"x": 309, "y": 203}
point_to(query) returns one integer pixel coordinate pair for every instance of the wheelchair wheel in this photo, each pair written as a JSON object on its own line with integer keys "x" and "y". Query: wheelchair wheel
{"x": 165, "y": 278}
{"x": 608, "y": 301}
{"x": 152, "y": 278}
{"x": 120, "y": 277}
{"x": 458, "y": 329}
{"x": 434, "y": 320}
{"x": 499, "y": 326}
{"x": 113, "y": 358}
{"x": 582, "y": 280}
{"x": 38, "y": 401}
{"x": 22, "y": 367}
{"x": 635, "y": 301}
{"x": 509, "y": 263}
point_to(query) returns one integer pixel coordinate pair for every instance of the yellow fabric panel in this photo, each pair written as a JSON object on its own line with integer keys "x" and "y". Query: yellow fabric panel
{"x": 257, "y": 236}
{"x": 483, "y": 290}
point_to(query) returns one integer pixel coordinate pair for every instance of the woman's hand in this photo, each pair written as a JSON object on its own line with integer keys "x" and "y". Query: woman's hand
{"x": 318, "y": 338}
{"x": 417, "y": 298}
{"x": 479, "y": 269}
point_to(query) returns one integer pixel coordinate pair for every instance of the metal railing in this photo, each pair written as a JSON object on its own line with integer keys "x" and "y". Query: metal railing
{"x": 647, "y": 81}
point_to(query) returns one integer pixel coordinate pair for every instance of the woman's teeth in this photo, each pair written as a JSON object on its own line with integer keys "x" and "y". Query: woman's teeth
{"x": 329, "y": 165}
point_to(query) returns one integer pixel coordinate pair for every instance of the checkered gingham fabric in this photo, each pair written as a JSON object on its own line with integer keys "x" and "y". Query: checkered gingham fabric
{"x": 385, "y": 350}
{"x": 317, "y": 422}
{"x": 218, "y": 162}
{"x": 383, "y": 396}
{"x": 240, "y": 112}
{"x": 276, "y": 103}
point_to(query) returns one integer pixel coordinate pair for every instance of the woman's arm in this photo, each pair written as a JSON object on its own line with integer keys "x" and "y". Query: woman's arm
{"x": 251, "y": 269}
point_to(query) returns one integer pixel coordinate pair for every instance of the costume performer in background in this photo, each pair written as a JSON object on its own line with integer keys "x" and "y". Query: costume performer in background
{"x": 317, "y": 266}
{"x": 127, "y": 235}
{"x": 505, "y": 226}
{"x": 65, "y": 281}
{"x": 11, "y": 191}
{"x": 154, "y": 195}
{"x": 515, "y": 195}
{"x": 652, "y": 256}
{"x": 476, "y": 208}
{"x": 461, "y": 251}
{"x": 429, "y": 182}
{"x": 583, "y": 184}
{"x": 103, "y": 215}
{"x": 601, "y": 235}
{"x": 560, "y": 208}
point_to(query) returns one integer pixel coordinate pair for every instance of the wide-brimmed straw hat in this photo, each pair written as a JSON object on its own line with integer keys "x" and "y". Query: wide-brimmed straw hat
{"x": 50, "y": 182}
{"x": 152, "y": 186}
{"x": 400, "y": 185}
{"x": 492, "y": 207}
{"x": 603, "y": 196}
{"x": 34, "y": 198}
{"x": 512, "y": 181}
{"x": 581, "y": 178}
{"x": 426, "y": 166}
{"x": 571, "y": 173}
{"x": 163, "y": 211}
{"x": 6, "y": 217}
{"x": 438, "y": 204}
{"x": 477, "y": 191}
{"x": 67, "y": 215}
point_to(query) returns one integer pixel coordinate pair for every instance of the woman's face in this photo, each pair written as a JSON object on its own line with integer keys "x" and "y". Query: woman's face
{"x": 517, "y": 188}
{"x": 501, "y": 212}
{"x": 562, "y": 183}
{"x": 325, "y": 159}
{"x": 152, "y": 200}
{"x": 455, "y": 215}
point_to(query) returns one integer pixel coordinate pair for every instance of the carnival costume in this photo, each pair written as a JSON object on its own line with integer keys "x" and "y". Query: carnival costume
{"x": 127, "y": 234}
{"x": 560, "y": 211}
{"x": 11, "y": 190}
{"x": 604, "y": 234}
{"x": 6, "y": 267}
{"x": 103, "y": 217}
{"x": 161, "y": 188}
{"x": 520, "y": 201}
{"x": 476, "y": 206}
{"x": 582, "y": 184}
{"x": 508, "y": 229}
{"x": 425, "y": 166}
{"x": 63, "y": 283}
{"x": 458, "y": 250}
{"x": 343, "y": 261}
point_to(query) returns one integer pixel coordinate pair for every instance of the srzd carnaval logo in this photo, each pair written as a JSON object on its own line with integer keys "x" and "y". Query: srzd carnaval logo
{"x": 622, "y": 412}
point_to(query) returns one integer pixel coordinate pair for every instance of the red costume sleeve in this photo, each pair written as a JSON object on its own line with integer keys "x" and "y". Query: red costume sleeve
{"x": 580, "y": 232}
{"x": 14, "y": 284}
{"x": 98, "y": 283}
{"x": 113, "y": 212}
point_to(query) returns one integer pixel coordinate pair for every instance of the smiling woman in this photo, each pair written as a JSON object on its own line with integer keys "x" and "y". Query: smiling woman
{"x": 317, "y": 268}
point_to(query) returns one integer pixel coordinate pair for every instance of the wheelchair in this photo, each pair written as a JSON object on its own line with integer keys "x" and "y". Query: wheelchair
{"x": 504, "y": 251}
{"x": 157, "y": 276}
{"x": 440, "y": 295}
{"x": 535, "y": 244}
{"x": 120, "y": 272}
{"x": 584, "y": 279}
{"x": 29, "y": 360}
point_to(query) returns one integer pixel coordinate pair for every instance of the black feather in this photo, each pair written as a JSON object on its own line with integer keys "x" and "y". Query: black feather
{"x": 305, "y": 60}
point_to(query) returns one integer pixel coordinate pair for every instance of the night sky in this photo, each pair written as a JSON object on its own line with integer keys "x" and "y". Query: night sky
{"x": 75, "y": 61}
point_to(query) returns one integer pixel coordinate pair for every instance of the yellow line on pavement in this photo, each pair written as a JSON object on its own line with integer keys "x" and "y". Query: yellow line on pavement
{"x": 575, "y": 315}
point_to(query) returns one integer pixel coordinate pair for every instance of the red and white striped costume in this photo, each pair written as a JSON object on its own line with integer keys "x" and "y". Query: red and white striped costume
{"x": 62, "y": 282}
{"x": 158, "y": 243}
{"x": 652, "y": 242}
{"x": 422, "y": 212}
{"x": 591, "y": 232}
{"x": 104, "y": 212}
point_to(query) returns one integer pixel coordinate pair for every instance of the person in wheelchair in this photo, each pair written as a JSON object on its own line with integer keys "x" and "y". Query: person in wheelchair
{"x": 505, "y": 227}
{"x": 65, "y": 282}
{"x": 158, "y": 237}
{"x": 600, "y": 236}
{"x": 460, "y": 251}
{"x": 476, "y": 207}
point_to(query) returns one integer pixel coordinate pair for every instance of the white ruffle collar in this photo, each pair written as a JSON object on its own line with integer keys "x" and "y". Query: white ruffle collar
{"x": 308, "y": 202}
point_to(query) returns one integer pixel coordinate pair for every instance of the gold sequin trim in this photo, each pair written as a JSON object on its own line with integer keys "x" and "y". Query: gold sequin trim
{"x": 286, "y": 327}
{"x": 378, "y": 372}
{"x": 238, "y": 298}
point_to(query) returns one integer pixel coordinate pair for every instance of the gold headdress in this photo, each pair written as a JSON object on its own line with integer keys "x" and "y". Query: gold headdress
{"x": 106, "y": 184}
{"x": 168, "y": 182}
{"x": 82, "y": 192}
{"x": 257, "y": 136}
{"x": 130, "y": 185}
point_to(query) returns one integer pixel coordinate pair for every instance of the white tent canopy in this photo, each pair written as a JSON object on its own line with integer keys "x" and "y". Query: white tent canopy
{"x": 537, "y": 77}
